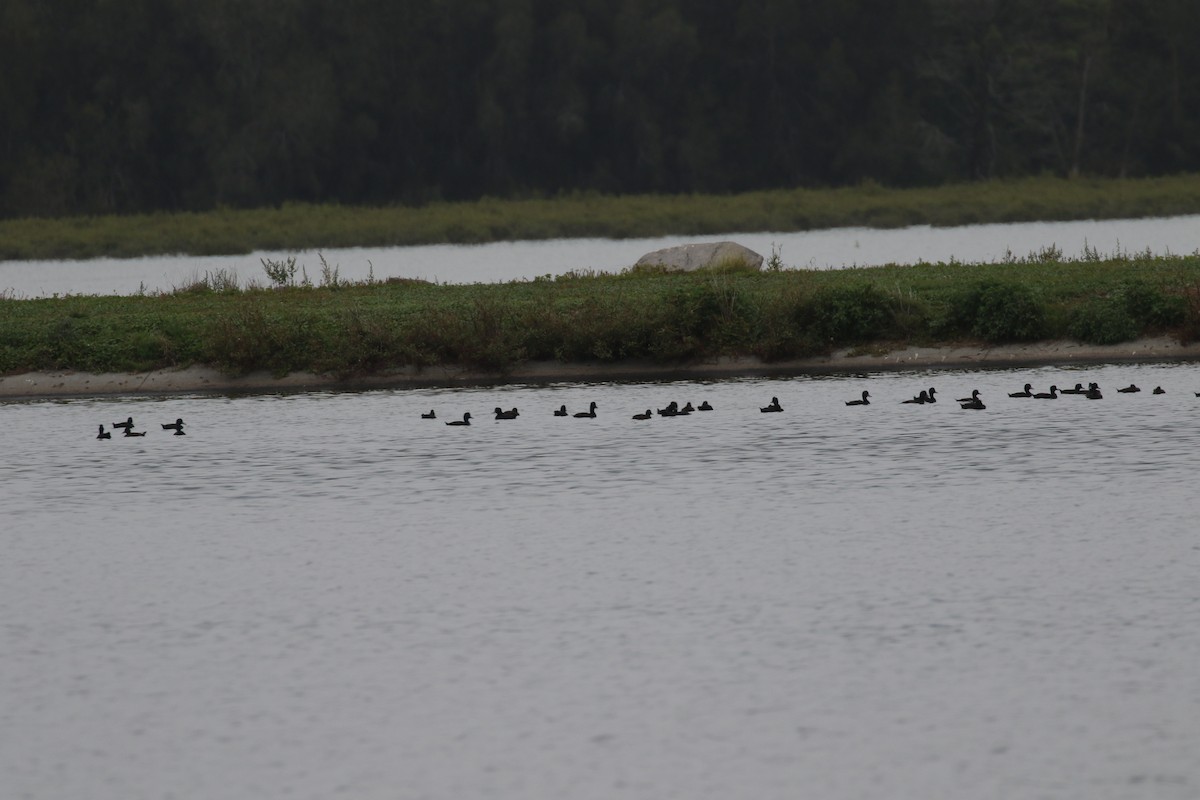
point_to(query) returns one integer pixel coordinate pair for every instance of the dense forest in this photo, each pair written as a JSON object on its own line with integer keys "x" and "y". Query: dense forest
{"x": 141, "y": 105}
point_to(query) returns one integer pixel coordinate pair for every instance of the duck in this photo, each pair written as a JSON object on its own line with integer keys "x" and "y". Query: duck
{"x": 507, "y": 414}
{"x": 704, "y": 406}
{"x": 1077, "y": 390}
{"x": 466, "y": 420}
{"x": 1050, "y": 395}
{"x": 671, "y": 410}
{"x": 647, "y": 415}
{"x": 103, "y": 434}
{"x": 1158, "y": 390}
{"x": 1129, "y": 389}
{"x": 973, "y": 398}
{"x": 130, "y": 432}
{"x": 561, "y": 412}
{"x": 973, "y": 403}
{"x": 1027, "y": 392}
{"x": 127, "y": 424}
{"x": 590, "y": 413}
{"x": 176, "y": 426}
{"x": 863, "y": 402}
{"x": 689, "y": 408}
{"x": 923, "y": 397}
{"x": 773, "y": 407}
{"x": 1093, "y": 392}
{"x": 430, "y": 415}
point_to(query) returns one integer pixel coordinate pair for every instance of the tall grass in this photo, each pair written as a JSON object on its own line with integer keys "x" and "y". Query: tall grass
{"x": 348, "y": 329}
{"x": 307, "y": 227}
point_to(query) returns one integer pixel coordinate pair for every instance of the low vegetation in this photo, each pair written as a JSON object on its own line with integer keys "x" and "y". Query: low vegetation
{"x": 331, "y": 326}
{"x": 311, "y": 227}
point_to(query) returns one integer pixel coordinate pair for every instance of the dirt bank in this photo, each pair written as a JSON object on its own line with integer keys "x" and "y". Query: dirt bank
{"x": 207, "y": 380}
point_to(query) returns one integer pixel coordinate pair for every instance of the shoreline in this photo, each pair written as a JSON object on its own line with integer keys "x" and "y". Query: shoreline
{"x": 207, "y": 380}
{"x": 323, "y": 226}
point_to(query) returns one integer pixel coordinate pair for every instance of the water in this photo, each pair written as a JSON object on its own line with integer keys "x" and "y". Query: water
{"x": 323, "y": 595}
{"x": 505, "y": 261}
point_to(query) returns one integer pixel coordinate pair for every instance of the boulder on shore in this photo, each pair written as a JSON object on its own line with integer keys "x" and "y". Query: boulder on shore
{"x": 701, "y": 256}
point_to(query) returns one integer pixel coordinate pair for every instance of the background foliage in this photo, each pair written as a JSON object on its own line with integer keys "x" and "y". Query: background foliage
{"x": 144, "y": 105}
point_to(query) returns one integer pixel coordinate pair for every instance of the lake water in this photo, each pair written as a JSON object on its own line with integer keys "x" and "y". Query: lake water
{"x": 324, "y": 595}
{"x": 506, "y": 261}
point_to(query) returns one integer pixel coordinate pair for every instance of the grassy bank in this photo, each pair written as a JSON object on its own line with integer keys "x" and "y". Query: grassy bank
{"x": 301, "y": 227}
{"x": 669, "y": 318}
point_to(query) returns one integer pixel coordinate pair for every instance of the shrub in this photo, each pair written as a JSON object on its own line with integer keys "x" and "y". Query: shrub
{"x": 247, "y": 338}
{"x": 1103, "y": 320}
{"x": 1152, "y": 307}
{"x": 482, "y": 332}
{"x": 689, "y": 323}
{"x": 362, "y": 344}
{"x": 848, "y": 315}
{"x": 998, "y": 312}
{"x": 149, "y": 349}
{"x": 1189, "y": 330}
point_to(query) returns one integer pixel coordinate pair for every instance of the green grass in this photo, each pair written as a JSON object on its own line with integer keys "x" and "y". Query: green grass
{"x": 310, "y": 227}
{"x": 643, "y": 315}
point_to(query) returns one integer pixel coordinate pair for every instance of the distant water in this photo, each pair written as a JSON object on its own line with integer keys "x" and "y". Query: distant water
{"x": 506, "y": 261}
{"x": 325, "y": 596}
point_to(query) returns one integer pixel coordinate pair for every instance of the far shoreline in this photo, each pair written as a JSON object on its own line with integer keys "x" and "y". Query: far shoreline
{"x": 208, "y": 380}
{"x": 301, "y": 226}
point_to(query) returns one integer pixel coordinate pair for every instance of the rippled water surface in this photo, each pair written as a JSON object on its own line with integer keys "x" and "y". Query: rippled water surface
{"x": 506, "y": 261}
{"x": 324, "y": 595}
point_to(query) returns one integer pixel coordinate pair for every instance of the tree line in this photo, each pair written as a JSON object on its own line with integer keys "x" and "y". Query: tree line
{"x": 143, "y": 105}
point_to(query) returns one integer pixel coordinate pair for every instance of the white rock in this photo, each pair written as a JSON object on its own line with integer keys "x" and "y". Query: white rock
{"x": 701, "y": 256}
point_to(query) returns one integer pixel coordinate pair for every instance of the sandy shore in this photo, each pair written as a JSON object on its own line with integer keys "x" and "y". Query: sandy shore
{"x": 195, "y": 380}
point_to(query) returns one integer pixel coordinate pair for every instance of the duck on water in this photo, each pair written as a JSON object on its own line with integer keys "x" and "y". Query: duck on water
{"x": 923, "y": 397}
{"x": 972, "y": 403}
